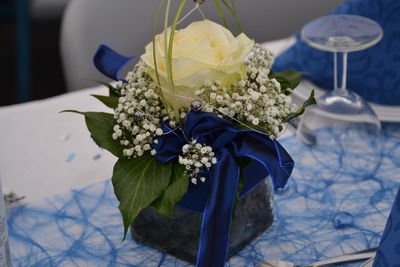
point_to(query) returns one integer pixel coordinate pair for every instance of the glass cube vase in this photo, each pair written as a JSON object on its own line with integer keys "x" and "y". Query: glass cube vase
{"x": 179, "y": 236}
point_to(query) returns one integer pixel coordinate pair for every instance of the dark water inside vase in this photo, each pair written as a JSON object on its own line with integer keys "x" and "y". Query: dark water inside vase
{"x": 179, "y": 236}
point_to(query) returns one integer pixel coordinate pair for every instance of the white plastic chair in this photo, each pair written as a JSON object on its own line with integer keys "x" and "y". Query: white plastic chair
{"x": 128, "y": 26}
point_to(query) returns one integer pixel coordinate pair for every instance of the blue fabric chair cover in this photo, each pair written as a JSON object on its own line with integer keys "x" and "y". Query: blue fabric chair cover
{"x": 373, "y": 73}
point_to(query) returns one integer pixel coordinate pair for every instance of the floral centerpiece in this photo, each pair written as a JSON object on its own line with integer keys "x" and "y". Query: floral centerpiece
{"x": 197, "y": 109}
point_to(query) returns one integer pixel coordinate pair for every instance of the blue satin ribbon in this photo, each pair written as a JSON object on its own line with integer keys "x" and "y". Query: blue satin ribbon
{"x": 109, "y": 62}
{"x": 216, "y": 196}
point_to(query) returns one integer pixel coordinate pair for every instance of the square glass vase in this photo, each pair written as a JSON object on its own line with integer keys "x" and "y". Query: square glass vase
{"x": 179, "y": 235}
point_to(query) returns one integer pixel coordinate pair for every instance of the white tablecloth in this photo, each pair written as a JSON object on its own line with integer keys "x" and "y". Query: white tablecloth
{"x": 39, "y": 146}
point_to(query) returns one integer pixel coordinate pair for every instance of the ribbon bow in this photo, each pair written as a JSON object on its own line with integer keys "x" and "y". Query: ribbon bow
{"x": 216, "y": 196}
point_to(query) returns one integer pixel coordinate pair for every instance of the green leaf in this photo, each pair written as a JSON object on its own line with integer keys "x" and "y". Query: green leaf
{"x": 100, "y": 126}
{"x": 288, "y": 78}
{"x": 177, "y": 187}
{"x": 243, "y": 162}
{"x": 310, "y": 101}
{"x": 109, "y": 101}
{"x": 137, "y": 183}
{"x": 112, "y": 90}
{"x": 250, "y": 126}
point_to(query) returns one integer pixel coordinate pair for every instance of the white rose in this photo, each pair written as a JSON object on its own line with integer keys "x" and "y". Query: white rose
{"x": 204, "y": 51}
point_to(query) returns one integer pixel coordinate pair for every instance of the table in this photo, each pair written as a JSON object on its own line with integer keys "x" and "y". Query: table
{"x": 70, "y": 216}
{"x": 39, "y": 156}
{"x": 46, "y": 154}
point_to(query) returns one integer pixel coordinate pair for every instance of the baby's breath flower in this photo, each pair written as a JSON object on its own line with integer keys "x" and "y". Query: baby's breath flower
{"x": 139, "y": 114}
{"x": 159, "y": 131}
{"x": 196, "y": 158}
{"x": 256, "y": 100}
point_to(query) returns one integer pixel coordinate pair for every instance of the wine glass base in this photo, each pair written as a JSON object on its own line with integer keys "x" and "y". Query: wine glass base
{"x": 343, "y": 105}
{"x": 343, "y": 122}
{"x": 342, "y": 33}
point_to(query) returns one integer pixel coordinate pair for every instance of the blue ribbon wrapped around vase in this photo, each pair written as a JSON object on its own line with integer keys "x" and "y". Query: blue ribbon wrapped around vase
{"x": 214, "y": 198}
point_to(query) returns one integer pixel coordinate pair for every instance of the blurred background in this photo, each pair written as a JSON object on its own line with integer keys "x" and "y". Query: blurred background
{"x": 31, "y": 31}
{"x": 29, "y": 35}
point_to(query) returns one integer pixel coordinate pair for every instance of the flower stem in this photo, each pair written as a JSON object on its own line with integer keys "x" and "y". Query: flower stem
{"x": 168, "y": 60}
{"x": 155, "y": 29}
{"x": 221, "y": 13}
{"x": 233, "y": 11}
{"x": 172, "y": 34}
{"x": 166, "y": 18}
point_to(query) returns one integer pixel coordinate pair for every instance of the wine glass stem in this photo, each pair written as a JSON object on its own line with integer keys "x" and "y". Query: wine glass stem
{"x": 335, "y": 71}
{"x": 343, "y": 88}
{"x": 344, "y": 72}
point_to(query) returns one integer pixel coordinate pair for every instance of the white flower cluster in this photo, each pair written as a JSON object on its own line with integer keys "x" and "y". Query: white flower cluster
{"x": 197, "y": 158}
{"x": 139, "y": 114}
{"x": 257, "y": 101}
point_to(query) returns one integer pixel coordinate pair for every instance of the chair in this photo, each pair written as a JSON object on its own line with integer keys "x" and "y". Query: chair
{"x": 128, "y": 26}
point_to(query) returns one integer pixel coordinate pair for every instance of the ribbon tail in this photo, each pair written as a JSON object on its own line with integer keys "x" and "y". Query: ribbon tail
{"x": 109, "y": 62}
{"x": 214, "y": 237}
{"x": 275, "y": 160}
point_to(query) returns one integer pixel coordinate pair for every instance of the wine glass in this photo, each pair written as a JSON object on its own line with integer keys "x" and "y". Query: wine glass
{"x": 342, "y": 121}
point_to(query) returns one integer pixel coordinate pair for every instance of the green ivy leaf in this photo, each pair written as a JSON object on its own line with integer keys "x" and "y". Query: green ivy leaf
{"x": 109, "y": 101}
{"x": 137, "y": 183}
{"x": 112, "y": 90}
{"x": 260, "y": 127}
{"x": 310, "y": 101}
{"x": 177, "y": 187}
{"x": 288, "y": 79}
{"x": 100, "y": 126}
